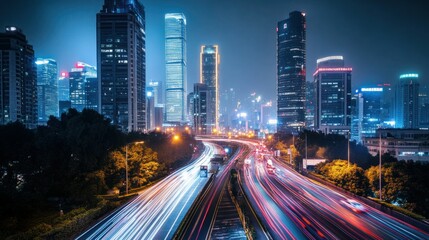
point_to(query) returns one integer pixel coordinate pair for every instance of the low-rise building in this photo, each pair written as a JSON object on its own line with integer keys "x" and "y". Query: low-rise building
{"x": 404, "y": 144}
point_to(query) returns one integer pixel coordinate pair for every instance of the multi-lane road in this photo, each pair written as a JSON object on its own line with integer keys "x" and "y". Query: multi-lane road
{"x": 156, "y": 212}
{"x": 293, "y": 207}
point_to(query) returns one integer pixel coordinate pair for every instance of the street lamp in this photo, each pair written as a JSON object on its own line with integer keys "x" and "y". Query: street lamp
{"x": 126, "y": 164}
{"x": 379, "y": 163}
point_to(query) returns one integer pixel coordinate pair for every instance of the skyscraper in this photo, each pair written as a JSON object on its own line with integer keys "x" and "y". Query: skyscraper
{"x": 175, "y": 67}
{"x": 18, "y": 79}
{"x": 47, "y": 89}
{"x": 333, "y": 96}
{"x": 369, "y": 111}
{"x": 291, "y": 72}
{"x": 209, "y": 70}
{"x": 83, "y": 87}
{"x": 407, "y": 101}
{"x": 121, "y": 63}
{"x": 64, "y": 93}
{"x": 201, "y": 109}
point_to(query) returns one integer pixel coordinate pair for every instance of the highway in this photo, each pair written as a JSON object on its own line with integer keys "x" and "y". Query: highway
{"x": 202, "y": 219}
{"x": 293, "y": 207}
{"x": 157, "y": 211}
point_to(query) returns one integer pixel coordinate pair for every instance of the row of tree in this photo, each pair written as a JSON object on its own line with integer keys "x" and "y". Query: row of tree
{"x": 404, "y": 183}
{"x": 73, "y": 159}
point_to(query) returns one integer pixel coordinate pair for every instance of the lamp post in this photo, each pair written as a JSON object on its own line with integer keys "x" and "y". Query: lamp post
{"x": 379, "y": 163}
{"x": 126, "y": 165}
{"x": 348, "y": 149}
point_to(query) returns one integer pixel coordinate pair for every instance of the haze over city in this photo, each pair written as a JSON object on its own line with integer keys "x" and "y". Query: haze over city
{"x": 379, "y": 39}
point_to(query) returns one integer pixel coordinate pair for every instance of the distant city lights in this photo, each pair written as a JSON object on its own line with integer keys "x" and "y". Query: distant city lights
{"x": 409, "y": 75}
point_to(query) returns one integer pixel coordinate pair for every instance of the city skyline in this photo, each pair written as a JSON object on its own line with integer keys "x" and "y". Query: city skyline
{"x": 368, "y": 25}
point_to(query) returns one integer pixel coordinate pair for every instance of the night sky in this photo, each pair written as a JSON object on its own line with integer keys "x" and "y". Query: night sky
{"x": 379, "y": 40}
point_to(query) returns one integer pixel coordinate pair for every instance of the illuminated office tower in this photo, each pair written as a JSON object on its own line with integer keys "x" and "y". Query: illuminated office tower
{"x": 64, "y": 93}
{"x": 175, "y": 67}
{"x": 407, "y": 101}
{"x": 369, "y": 106}
{"x": 291, "y": 72}
{"x": 18, "y": 79}
{"x": 209, "y": 70}
{"x": 121, "y": 63}
{"x": 333, "y": 96}
{"x": 47, "y": 89}
{"x": 83, "y": 87}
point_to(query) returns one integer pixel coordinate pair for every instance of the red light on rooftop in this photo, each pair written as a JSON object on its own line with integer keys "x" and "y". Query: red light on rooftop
{"x": 79, "y": 65}
{"x": 64, "y": 74}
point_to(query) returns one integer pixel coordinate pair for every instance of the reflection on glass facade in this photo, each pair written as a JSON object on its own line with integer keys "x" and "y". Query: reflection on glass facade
{"x": 47, "y": 89}
{"x": 18, "y": 79}
{"x": 291, "y": 72}
{"x": 121, "y": 58}
{"x": 175, "y": 67}
{"x": 83, "y": 87}
{"x": 210, "y": 60}
{"x": 407, "y": 101}
{"x": 333, "y": 96}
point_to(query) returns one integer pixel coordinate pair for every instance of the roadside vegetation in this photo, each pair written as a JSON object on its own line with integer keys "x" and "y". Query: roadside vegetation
{"x": 51, "y": 178}
{"x": 404, "y": 183}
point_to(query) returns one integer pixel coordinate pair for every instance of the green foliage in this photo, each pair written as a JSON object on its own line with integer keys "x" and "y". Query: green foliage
{"x": 351, "y": 178}
{"x": 72, "y": 160}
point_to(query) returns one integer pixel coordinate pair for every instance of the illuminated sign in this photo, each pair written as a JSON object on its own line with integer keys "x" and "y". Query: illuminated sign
{"x": 39, "y": 62}
{"x": 329, "y": 58}
{"x": 332, "y": 70}
{"x": 409, "y": 75}
{"x": 371, "y": 89}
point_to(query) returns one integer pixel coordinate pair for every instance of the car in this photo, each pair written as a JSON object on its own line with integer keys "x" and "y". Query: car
{"x": 355, "y": 206}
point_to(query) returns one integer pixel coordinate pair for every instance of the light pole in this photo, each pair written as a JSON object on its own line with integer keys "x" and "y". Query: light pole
{"x": 126, "y": 165}
{"x": 348, "y": 149}
{"x": 379, "y": 163}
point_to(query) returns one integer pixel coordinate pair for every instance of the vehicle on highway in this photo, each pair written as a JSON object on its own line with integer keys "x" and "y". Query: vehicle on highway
{"x": 354, "y": 205}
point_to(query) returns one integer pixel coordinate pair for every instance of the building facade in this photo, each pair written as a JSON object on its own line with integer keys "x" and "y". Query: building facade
{"x": 404, "y": 144}
{"x": 83, "y": 87}
{"x": 64, "y": 93}
{"x": 407, "y": 101}
{"x": 175, "y": 67}
{"x": 333, "y": 96}
{"x": 291, "y": 73}
{"x": 18, "y": 79}
{"x": 121, "y": 63}
{"x": 47, "y": 89}
{"x": 209, "y": 69}
{"x": 369, "y": 111}
{"x": 202, "y": 109}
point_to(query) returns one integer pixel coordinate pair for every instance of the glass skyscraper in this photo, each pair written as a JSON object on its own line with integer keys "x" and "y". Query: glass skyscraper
{"x": 210, "y": 60}
{"x": 291, "y": 72}
{"x": 83, "y": 87}
{"x": 407, "y": 101}
{"x": 175, "y": 67}
{"x": 369, "y": 107}
{"x": 64, "y": 93}
{"x": 47, "y": 89}
{"x": 333, "y": 96}
{"x": 121, "y": 59}
{"x": 18, "y": 79}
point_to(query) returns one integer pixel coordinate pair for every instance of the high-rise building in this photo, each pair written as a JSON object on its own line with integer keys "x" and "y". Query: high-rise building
{"x": 309, "y": 105}
{"x": 333, "y": 96}
{"x": 47, "y": 89}
{"x": 407, "y": 101}
{"x": 202, "y": 109}
{"x": 150, "y": 109}
{"x": 369, "y": 111}
{"x": 175, "y": 67}
{"x": 64, "y": 93}
{"x": 291, "y": 72}
{"x": 18, "y": 79}
{"x": 209, "y": 70}
{"x": 83, "y": 87}
{"x": 228, "y": 104}
{"x": 121, "y": 63}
